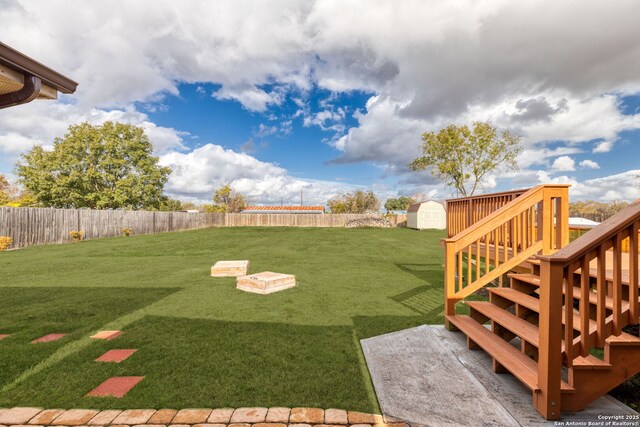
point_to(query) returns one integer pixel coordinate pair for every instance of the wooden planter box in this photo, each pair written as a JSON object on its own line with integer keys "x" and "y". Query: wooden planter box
{"x": 266, "y": 282}
{"x": 229, "y": 268}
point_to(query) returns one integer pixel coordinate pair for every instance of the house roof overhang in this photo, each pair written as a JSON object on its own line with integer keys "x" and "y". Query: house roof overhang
{"x": 18, "y": 73}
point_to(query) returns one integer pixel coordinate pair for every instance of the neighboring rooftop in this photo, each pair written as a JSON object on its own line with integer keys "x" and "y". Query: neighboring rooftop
{"x": 581, "y": 222}
{"x": 23, "y": 79}
{"x": 284, "y": 209}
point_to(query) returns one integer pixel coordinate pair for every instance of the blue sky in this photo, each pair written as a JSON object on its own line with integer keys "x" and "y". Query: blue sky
{"x": 328, "y": 97}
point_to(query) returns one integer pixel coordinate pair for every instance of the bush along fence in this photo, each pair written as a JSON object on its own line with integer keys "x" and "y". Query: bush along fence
{"x": 37, "y": 226}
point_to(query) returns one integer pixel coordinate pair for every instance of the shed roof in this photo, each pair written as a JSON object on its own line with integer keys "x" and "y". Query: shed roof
{"x": 414, "y": 207}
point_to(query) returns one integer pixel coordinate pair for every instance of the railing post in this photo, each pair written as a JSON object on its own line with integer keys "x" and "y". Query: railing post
{"x": 562, "y": 218}
{"x": 547, "y": 223}
{"x": 449, "y": 282}
{"x": 547, "y": 400}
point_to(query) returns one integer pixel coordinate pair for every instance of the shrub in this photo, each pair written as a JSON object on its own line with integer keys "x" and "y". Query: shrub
{"x": 77, "y": 236}
{"x": 5, "y": 242}
{"x": 127, "y": 231}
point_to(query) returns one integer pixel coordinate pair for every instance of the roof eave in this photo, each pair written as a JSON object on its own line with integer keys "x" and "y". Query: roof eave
{"x": 11, "y": 58}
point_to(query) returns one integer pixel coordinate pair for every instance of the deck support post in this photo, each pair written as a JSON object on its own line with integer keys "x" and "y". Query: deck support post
{"x": 547, "y": 400}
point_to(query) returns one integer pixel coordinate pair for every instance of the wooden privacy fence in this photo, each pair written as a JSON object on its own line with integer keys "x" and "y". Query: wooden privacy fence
{"x": 37, "y": 226}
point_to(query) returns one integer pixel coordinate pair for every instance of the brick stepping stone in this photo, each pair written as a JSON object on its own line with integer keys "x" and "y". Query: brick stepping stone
{"x": 48, "y": 338}
{"x": 106, "y": 335}
{"x": 266, "y": 282}
{"x": 3, "y": 336}
{"x": 115, "y": 387}
{"x": 116, "y": 356}
{"x": 230, "y": 268}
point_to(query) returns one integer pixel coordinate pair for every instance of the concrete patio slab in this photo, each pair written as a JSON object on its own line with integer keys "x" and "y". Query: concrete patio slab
{"x": 426, "y": 375}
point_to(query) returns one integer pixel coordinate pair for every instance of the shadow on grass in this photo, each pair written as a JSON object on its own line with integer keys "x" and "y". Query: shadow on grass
{"x": 207, "y": 363}
{"x": 29, "y": 313}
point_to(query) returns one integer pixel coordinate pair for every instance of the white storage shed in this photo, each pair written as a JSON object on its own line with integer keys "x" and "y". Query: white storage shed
{"x": 425, "y": 215}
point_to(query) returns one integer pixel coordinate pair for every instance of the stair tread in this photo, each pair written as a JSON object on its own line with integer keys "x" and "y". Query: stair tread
{"x": 590, "y": 362}
{"x": 532, "y": 260}
{"x": 534, "y": 304}
{"x": 532, "y": 279}
{"x": 623, "y": 339}
{"x": 520, "y": 365}
{"x": 526, "y": 277}
{"x": 518, "y": 326}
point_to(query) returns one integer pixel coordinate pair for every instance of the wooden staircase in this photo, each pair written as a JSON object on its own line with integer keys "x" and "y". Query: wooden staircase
{"x": 567, "y": 299}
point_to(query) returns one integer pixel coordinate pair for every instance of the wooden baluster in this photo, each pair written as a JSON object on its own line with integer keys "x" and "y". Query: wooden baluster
{"x": 487, "y": 255}
{"x": 617, "y": 285}
{"x": 449, "y": 281}
{"x": 584, "y": 306}
{"x": 460, "y": 276}
{"x": 496, "y": 247}
{"x": 601, "y": 283}
{"x": 477, "y": 259}
{"x": 634, "y": 308}
{"x": 567, "y": 285}
{"x": 469, "y": 267}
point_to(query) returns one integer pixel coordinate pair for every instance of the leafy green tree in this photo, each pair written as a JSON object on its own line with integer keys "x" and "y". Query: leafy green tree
{"x": 228, "y": 200}
{"x": 402, "y": 203}
{"x": 5, "y": 188}
{"x": 462, "y": 157}
{"x": 358, "y": 202}
{"x": 108, "y": 166}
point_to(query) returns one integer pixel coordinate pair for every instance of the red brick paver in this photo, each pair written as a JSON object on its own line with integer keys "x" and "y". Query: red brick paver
{"x": 116, "y": 387}
{"x": 221, "y": 415}
{"x": 335, "y": 416}
{"x": 105, "y": 417}
{"x": 163, "y": 416}
{"x": 307, "y": 415}
{"x": 46, "y": 417}
{"x": 249, "y": 415}
{"x": 48, "y": 338}
{"x": 192, "y": 416}
{"x": 278, "y": 415}
{"x": 18, "y": 415}
{"x": 75, "y": 417}
{"x": 134, "y": 416}
{"x": 106, "y": 335}
{"x": 116, "y": 356}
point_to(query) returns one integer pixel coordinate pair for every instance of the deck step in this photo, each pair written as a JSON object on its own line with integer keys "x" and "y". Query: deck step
{"x": 590, "y": 362}
{"x": 533, "y": 303}
{"x": 624, "y": 339}
{"x": 532, "y": 279}
{"x": 513, "y": 323}
{"x": 520, "y": 365}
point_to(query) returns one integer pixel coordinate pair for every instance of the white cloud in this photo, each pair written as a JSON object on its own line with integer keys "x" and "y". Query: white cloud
{"x": 196, "y": 176}
{"x": 622, "y": 186}
{"x": 563, "y": 163}
{"x": 427, "y": 63}
{"x": 589, "y": 164}
{"x": 603, "y": 147}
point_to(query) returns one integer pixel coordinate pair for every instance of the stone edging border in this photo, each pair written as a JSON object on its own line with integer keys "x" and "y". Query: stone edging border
{"x": 224, "y": 417}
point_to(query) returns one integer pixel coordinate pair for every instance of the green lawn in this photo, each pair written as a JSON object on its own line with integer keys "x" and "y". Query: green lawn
{"x": 201, "y": 342}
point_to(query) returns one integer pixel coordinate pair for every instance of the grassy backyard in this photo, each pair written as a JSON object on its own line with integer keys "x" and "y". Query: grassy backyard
{"x": 201, "y": 342}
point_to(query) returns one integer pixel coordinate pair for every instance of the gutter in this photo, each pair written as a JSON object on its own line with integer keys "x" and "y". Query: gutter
{"x": 13, "y": 59}
{"x": 29, "y": 92}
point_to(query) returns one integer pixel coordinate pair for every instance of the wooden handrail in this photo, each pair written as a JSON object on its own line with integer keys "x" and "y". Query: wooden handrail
{"x": 594, "y": 261}
{"x": 488, "y": 195}
{"x": 535, "y": 221}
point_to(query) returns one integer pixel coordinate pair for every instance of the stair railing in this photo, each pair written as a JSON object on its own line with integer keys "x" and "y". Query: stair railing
{"x": 463, "y": 212}
{"x": 535, "y": 221}
{"x": 594, "y": 259}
